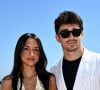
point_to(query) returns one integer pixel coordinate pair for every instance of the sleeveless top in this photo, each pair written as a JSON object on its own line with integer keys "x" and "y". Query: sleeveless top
{"x": 39, "y": 85}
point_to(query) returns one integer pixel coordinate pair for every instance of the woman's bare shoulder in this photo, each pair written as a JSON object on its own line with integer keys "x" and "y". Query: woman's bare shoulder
{"x": 52, "y": 83}
{"x": 6, "y": 84}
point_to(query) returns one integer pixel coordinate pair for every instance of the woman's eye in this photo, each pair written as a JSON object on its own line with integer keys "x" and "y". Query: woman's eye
{"x": 26, "y": 48}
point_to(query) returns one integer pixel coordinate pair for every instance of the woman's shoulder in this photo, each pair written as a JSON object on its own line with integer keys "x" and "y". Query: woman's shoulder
{"x": 52, "y": 78}
{"x": 6, "y": 83}
{"x": 52, "y": 83}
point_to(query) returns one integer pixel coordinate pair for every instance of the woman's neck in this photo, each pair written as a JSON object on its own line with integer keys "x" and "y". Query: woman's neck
{"x": 29, "y": 71}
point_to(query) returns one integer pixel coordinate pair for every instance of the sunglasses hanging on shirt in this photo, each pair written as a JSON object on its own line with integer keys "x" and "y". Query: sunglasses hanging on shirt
{"x": 66, "y": 33}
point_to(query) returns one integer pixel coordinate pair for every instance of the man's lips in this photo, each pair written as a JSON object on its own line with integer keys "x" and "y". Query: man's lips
{"x": 71, "y": 42}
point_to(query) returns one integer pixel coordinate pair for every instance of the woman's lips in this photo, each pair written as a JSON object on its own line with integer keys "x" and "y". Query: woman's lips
{"x": 30, "y": 59}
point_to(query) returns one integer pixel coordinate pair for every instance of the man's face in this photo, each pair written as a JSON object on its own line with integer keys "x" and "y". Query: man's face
{"x": 70, "y": 37}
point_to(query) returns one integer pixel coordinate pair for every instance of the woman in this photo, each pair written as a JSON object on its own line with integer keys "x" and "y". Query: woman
{"x": 29, "y": 70}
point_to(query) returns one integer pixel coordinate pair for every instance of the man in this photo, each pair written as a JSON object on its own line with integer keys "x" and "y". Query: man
{"x": 79, "y": 68}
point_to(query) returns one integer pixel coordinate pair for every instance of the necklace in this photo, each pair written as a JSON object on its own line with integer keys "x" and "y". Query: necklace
{"x": 30, "y": 82}
{"x": 30, "y": 79}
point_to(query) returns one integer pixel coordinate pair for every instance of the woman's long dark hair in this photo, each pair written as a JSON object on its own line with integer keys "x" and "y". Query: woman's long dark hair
{"x": 16, "y": 73}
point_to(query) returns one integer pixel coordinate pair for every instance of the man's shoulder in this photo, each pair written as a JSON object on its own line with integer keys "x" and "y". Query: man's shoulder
{"x": 92, "y": 54}
{"x": 56, "y": 66}
{"x": 95, "y": 54}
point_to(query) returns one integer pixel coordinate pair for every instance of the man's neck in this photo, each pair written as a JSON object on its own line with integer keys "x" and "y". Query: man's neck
{"x": 73, "y": 55}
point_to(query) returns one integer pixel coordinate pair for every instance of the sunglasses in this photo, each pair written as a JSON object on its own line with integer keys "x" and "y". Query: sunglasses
{"x": 66, "y": 33}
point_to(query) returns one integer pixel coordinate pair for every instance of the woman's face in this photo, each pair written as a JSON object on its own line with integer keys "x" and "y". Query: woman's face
{"x": 30, "y": 53}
